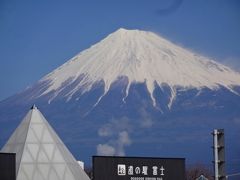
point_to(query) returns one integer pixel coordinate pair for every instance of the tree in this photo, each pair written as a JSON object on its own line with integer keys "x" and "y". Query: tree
{"x": 194, "y": 171}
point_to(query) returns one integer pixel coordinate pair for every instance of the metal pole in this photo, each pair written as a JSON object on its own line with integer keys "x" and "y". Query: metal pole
{"x": 215, "y": 134}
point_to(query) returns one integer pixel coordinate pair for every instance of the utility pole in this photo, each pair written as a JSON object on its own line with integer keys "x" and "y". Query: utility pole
{"x": 219, "y": 154}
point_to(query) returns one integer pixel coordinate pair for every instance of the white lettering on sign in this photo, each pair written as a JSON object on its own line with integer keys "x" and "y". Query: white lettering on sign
{"x": 162, "y": 169}
{"x": 137, "y": 178}
{"x": 121, "y": 169}
{"x": 124, "y": 170}
{"x": 130, "y": 170}
{"x": 137, "y": 170}
{"x": 145, "y": 170}
{"x": 155, "y": 170}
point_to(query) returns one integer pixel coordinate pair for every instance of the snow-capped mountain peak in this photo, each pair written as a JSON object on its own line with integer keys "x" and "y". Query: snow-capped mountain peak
{"x": 142, "y": 57}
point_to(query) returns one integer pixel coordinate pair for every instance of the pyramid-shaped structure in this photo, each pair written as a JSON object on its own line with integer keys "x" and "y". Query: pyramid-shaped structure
{"x": 40, "y": 153}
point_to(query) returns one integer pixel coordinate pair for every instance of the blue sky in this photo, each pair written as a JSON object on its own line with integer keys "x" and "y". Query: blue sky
{"x": 38, "y": 36}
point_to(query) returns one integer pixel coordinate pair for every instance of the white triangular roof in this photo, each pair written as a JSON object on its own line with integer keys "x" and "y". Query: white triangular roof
{"x": 40, "y": 153}
{"x": 202, "y": 177}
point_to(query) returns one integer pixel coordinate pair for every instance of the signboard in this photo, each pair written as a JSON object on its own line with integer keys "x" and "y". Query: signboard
{"x": 7, "y": 166}
{"x": 138, "y": 168}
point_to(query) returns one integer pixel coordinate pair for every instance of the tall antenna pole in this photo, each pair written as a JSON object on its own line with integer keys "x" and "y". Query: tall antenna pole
{"x": 219, "y": 154}
{"x": 215, "y": 139}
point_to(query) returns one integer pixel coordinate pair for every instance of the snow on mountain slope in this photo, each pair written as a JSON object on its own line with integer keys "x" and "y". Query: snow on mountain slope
{"x": 142, "y": 57}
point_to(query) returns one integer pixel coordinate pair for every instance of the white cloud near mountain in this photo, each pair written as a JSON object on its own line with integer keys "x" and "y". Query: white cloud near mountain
{"x": 116, "y": 134}
{"x": 105, "y": 150}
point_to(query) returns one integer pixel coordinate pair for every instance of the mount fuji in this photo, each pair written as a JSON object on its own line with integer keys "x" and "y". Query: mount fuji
{"x": 135, "y": 93}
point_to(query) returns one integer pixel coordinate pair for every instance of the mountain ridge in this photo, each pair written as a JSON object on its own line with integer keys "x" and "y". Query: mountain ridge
{"x": 141, "y": 57}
